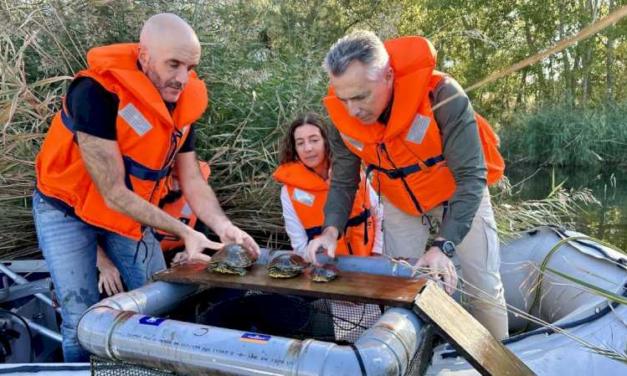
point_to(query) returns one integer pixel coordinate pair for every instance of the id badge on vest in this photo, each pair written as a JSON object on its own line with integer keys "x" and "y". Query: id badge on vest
{"x": 135, "y": 119}
{"x": 418, "y": 129}
{"x": 304, "y": 197}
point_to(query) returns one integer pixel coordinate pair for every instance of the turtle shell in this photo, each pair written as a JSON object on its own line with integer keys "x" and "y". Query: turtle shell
{"x": 286, "y": 265}
{"x": 323, "y": 273}
{"x": 232, "y": 259}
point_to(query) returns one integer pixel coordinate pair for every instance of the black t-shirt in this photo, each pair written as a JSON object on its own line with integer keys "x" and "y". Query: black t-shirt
{"x": 94, "y": 111}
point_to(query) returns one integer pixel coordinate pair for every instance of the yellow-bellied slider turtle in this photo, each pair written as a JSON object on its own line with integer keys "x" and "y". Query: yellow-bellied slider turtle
{"x": 286, "y": 265}
{"x": 323, "y": 273}
{"x": 232, "y": 259}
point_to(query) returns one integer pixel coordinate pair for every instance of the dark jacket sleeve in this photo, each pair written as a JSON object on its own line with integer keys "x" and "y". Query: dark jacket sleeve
{"x": 344, "y": 182}
{"x": 464, "y": 156}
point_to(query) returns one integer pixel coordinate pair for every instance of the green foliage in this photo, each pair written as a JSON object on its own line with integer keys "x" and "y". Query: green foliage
{"x": 566, "y": 136}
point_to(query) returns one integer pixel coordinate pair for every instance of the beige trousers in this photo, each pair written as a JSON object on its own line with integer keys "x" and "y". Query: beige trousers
{"x": 478, "y": 257}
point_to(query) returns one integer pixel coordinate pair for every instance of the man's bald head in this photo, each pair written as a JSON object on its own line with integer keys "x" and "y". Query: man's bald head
{"x": 168, "y": 49}
{"x": 167, "y": 30}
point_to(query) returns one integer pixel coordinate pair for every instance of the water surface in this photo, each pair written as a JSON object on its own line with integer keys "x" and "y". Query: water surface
{"x": 606, "y": 221}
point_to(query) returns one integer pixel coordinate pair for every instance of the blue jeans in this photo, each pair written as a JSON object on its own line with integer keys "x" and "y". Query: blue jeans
{"x": 69, "y": 247}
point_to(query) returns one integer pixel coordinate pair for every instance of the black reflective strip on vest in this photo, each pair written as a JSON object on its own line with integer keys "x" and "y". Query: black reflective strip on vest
{"x": 170, "y": 197}
{"x": 399, "y": 173}
{"x": 396, "y": 173}
{"x": 312, "y": 232}
{"x": 358, "y": 219}
{"x": 434, "y": 160}
{"x": 140, "y": 171}
{"x": 160, "y": 236}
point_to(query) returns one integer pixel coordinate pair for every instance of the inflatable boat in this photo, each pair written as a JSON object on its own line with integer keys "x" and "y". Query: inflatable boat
{"x": 564, "y": 292}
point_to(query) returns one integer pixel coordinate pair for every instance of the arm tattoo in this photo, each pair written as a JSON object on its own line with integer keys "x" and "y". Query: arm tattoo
{"x": 103, "y": 161}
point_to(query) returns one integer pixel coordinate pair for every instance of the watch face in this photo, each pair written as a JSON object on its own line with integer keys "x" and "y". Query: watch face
{"x": 448, "y": 248}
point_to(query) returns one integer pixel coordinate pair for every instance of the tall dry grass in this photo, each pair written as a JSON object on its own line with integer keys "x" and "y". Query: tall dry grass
{"x": 261, "y": 62}
{"x": 25, "y": 110}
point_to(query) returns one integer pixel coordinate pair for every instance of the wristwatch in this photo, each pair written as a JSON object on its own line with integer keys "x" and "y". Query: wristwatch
{"x": 446, "y": 246}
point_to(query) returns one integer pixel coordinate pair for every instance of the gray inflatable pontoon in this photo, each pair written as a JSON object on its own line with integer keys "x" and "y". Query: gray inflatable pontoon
{"x": 131, "y": 327}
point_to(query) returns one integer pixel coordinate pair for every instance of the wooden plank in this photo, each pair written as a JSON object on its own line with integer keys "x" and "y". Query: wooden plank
{"x": 357, "y": 287}
{"x": 466, "y": 334}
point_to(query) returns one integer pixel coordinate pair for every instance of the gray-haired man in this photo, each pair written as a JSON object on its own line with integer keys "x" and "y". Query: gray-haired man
{"x": 430, "y": 162}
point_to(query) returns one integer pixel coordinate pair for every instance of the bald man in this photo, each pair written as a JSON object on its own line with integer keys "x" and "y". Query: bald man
{"x": 127, "y": 121}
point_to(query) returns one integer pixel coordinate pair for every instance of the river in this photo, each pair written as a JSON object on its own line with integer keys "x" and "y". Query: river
{"x": 606, "y": 221}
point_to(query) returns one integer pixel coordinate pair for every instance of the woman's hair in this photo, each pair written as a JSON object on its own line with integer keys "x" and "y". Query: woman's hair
{"x": 288, "y": 145}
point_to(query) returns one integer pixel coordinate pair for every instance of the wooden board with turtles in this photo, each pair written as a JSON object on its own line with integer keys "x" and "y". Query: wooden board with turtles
{"x": 352, "y": 286}
{"x": 237, "y": 259}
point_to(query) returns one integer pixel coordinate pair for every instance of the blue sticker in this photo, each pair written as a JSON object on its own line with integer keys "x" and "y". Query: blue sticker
{"x": 255, "y": 338}
{"x": 150, "y": 320}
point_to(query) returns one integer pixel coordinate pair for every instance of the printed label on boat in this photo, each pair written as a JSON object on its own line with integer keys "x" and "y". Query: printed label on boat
{"x": 255, "y": 338}
{"x": 150, "y": 320}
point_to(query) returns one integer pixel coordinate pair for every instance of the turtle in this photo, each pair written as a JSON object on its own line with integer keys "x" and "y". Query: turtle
{"x": 323, "y": 273}
{"x": 232, "y": 259}
{"x": 286, "y": 265}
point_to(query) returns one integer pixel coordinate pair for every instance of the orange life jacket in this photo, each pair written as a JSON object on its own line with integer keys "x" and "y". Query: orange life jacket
{"x": 174, "y": 203}
{"x": 148, "y": 137}
{"x": 308, "y": 193}
{"x": 406, "y": 154}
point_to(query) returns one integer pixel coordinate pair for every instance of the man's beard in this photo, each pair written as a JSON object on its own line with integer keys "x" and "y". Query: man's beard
{"x": 160, "y": 85}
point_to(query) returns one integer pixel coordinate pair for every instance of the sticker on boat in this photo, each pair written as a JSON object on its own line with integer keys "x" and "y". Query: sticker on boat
{"x": 150, "y": 320}
{"x": 255, "y": 338}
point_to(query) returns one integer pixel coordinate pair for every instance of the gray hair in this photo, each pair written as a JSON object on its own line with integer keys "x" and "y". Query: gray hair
{"x": 360, "y": 45}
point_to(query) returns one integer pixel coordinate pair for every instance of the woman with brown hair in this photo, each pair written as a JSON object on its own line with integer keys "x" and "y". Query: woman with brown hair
{"x": 303, "y": 170}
